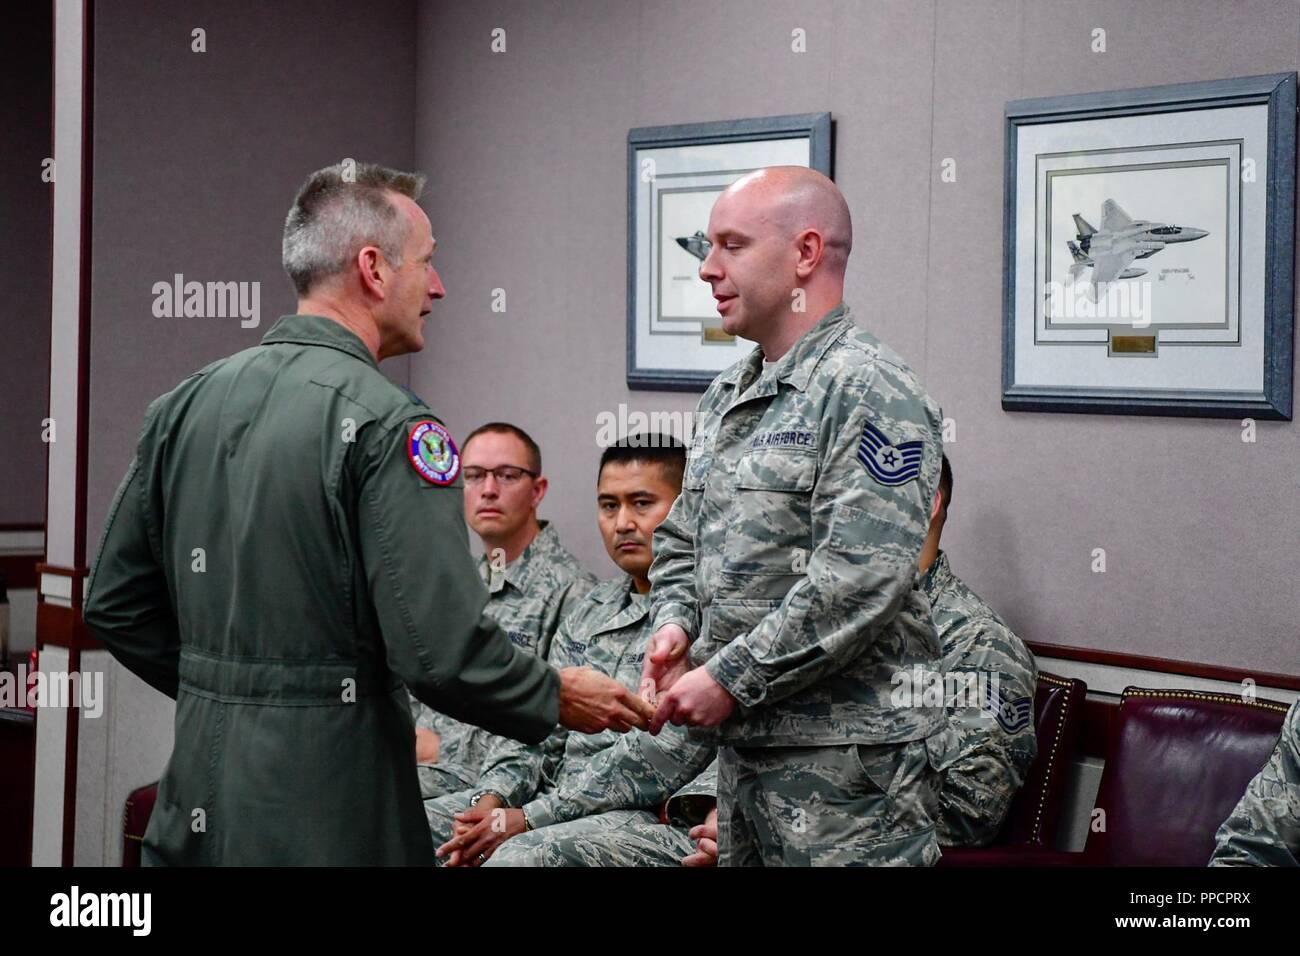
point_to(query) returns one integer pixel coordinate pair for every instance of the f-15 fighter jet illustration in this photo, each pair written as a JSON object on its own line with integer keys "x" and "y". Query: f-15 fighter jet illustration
{"x": 1121, "y": 239}
{"x": 1082, "y": 262}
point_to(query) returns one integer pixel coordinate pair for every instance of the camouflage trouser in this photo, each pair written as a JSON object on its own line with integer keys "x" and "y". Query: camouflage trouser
{"x": 435, "y": 782}
{"x": 851, "y": 805}
{"x": 615, "y": 838}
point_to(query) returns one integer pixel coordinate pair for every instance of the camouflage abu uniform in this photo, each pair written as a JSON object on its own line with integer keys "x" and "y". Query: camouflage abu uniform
{"x": 604, "y": 781}
{"x": 790, "y": 559}
{"x": 639, "y": 840}
{"x": 1264, "y": 828}
{"x": 988, "y": 744}
{"x": 690, "y": 806}
{"x": 528, "y": 599}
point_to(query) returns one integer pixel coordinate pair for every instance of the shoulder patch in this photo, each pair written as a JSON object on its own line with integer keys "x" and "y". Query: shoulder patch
{"x": 889, "y": 463}
{"x": 1013, "y": 714}
{"x": 432, "y": 452}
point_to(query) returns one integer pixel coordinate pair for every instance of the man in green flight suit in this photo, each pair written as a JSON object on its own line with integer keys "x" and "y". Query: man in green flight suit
{"x": 287, "y": 549}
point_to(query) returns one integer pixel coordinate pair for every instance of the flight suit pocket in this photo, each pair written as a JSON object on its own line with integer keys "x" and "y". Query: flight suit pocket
{"x": 772, "y": 530}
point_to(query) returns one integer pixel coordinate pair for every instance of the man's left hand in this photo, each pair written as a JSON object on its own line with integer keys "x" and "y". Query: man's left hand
{"x": 695, "y": 699}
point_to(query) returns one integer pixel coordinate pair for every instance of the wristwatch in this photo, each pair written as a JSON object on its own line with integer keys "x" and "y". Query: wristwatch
{"x": 483, "y": 793}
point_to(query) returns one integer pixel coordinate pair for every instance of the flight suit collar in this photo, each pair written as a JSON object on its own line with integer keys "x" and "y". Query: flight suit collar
{"x": 318, "y": 330}
{"x": 519, "y": 572}
{"x": 795, "y": 366}
{"x": 938, "y": 578}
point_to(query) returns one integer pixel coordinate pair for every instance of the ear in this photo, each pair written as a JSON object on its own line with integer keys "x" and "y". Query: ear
{"x": 539, "y": 490}
{"x": 937, "y": 506}
{"x": 371, "y": 269}
{"x": 811, "y": 247}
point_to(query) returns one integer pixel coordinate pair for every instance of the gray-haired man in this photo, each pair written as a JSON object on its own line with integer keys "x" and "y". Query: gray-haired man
{"x": 336, "y": 566}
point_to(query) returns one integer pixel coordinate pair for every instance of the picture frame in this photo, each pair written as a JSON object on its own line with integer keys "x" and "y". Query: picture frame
{"x": 675, "y": 340}
{"x": 1149, "y": 250}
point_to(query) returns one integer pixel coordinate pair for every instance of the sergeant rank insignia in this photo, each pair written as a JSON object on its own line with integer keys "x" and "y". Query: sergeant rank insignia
{"x": 433, "y": 453}
{"x": 890, "y": 464}
{"x": 1012, "y": 714}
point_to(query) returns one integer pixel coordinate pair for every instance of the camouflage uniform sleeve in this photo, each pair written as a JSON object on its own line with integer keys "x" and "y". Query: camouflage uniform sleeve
{"x": 637, "y": 771}
{"x": 513, "y": 770}
{"x": 672, "y": 574}
{"x": 866, "y": 540}
{"x": 128, "y": 606}
{"x": 517, "y": 789}
{"x": 1264, "y": 828}
{"x": 690, "y": 805}
{"x": 986, "y": 753}
{"x": 429, "y": 599}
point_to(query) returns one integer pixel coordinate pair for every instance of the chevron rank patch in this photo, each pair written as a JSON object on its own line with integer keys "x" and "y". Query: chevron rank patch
{"x": 889, "y": 463}
{"x": 1012, "y": 714}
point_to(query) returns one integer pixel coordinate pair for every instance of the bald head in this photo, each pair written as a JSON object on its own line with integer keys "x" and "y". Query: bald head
{"x": 796, "y": 199}
{"x": 779, "y": 241}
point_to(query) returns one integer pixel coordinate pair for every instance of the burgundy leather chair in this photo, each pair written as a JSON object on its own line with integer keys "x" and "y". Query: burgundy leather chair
{"x": 1178, "y": 762}
{"x": 135, "y": 820}
{"x": 1028, "y": 836}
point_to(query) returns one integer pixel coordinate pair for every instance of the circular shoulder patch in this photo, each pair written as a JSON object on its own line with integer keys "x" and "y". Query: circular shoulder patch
{"x": 433, "y": 454}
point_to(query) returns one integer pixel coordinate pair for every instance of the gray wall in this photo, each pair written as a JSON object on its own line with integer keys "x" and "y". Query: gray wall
{"x": 25, "y": 211}
{"x": 197, "y": 157}
{"x": 526, "y": 152}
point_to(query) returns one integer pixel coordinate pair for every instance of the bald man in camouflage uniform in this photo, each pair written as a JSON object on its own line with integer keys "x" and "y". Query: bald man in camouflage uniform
{"x": 1264, "y": 828}
{"x": 988, "y": 743}
{"x": 789, "y": 564}
{"x": 528, "y": 598}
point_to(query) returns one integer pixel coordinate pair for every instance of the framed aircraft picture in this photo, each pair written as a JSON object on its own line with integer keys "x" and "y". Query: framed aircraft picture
{"x": 1149, "y": 250}
{"x": 675, "y": 339}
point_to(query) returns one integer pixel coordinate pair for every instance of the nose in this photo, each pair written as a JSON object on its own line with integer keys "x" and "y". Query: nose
{"x": 488, "y": 487}
{"x": 624, "y": 520}
{"x": 436, "y": 290}
{"x": 709, "y": 270}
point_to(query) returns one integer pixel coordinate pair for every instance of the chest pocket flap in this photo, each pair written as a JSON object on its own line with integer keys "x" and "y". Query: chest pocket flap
{"x": 770, "y": 470}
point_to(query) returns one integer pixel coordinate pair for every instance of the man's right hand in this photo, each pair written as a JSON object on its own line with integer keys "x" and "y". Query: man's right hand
{"x": 591, "y": 702}
{"x": 667, "y": 658}
{"x": 706, "y": 842}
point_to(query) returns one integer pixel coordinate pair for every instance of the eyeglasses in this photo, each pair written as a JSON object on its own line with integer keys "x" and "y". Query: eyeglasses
{"x": 504, "y": 474}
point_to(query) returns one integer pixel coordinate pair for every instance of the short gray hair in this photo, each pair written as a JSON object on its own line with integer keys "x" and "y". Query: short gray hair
{"x": 338, "y": 211}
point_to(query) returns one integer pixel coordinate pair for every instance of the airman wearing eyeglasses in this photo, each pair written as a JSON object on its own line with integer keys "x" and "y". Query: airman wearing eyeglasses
{"x": 533, "y": 582}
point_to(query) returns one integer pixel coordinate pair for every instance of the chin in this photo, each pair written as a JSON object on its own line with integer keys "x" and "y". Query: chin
{"x": 630, "y": 565}
{"x": 733, "y": 325}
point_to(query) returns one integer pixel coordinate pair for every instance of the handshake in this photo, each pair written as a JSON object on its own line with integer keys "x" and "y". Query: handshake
{"x": 670, "y": 692}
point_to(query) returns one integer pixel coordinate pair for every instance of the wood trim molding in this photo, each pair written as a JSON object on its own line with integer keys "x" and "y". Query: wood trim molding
{"x": 1163, "y": 665}
{"x": 60, "y": 626}
{"x": 61, "y": 571}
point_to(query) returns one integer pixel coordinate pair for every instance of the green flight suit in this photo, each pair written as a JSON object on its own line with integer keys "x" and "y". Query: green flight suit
{"x": 276, "y": 562}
